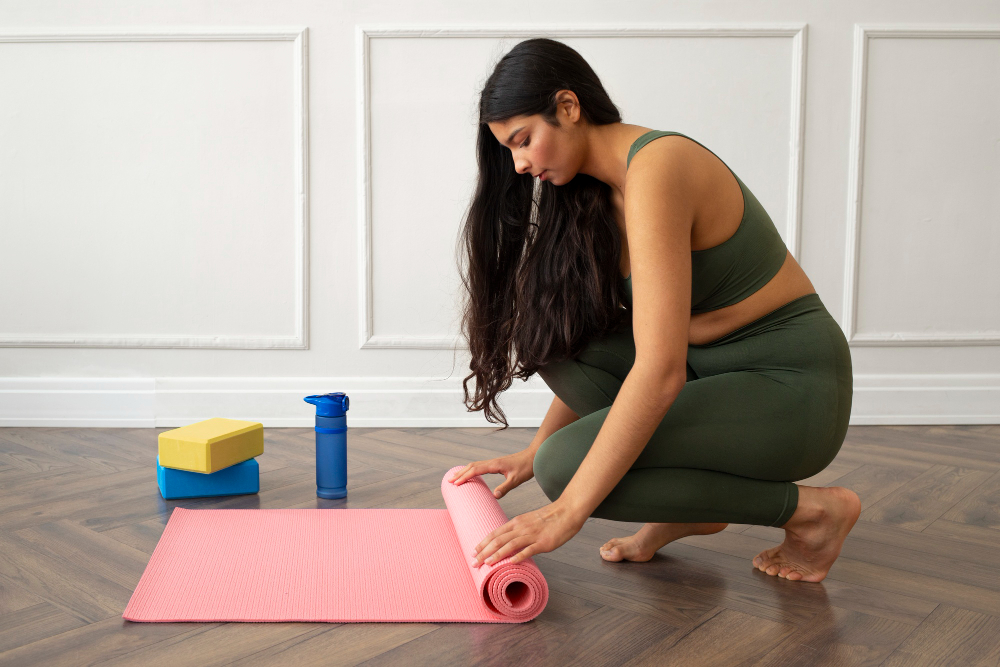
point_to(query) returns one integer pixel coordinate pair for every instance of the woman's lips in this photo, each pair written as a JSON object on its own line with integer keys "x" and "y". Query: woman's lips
{"x": 541, "y": 176}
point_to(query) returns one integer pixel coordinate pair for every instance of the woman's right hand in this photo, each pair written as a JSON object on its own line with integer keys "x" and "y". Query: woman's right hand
{"x": 517, "y": 468}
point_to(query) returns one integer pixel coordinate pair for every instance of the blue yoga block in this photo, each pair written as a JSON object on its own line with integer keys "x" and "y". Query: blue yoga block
{"x": 237, "y": 479}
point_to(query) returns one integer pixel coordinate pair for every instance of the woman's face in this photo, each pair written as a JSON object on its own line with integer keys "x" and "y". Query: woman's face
{"x": 537, "y": 148}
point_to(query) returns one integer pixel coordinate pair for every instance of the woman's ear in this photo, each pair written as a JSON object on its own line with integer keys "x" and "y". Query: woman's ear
{"x": 568, "y": 101}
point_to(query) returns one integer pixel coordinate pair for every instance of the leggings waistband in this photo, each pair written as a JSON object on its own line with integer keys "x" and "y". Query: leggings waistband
{"x": 808, "y": 303}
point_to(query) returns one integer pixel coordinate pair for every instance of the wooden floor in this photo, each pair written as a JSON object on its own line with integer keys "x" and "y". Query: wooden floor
{"x": 917, "y": 583}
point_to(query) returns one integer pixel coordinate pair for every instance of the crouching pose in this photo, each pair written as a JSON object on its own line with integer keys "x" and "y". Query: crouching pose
{"x": 697, "y": 374}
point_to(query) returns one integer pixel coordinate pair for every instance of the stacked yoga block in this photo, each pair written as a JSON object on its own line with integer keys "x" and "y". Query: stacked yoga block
{"x": 214, "y": 457}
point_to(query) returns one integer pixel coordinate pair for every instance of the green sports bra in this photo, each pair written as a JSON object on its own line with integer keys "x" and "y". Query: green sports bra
{"x": 739, "y": 266}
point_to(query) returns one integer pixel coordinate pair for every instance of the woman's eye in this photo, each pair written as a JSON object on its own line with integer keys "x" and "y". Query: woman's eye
{"x": 525, "y": 143}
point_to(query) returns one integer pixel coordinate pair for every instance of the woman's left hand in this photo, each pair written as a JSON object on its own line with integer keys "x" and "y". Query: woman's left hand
{"x": 538, "y": 531}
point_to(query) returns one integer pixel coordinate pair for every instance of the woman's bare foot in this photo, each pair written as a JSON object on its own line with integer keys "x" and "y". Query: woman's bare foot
{"x": 814, "y": 534}
{"x": 641, "y": 546}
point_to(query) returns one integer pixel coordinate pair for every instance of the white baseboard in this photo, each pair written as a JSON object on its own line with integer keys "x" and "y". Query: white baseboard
{"x": 415, "y": 402}
{"x": 926, "y": 399}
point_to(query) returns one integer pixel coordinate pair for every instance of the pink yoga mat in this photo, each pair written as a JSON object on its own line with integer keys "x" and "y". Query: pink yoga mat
{"x": 338, "y": 565}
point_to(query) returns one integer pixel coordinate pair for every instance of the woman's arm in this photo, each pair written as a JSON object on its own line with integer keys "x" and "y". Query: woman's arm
{"x": 559, "y": 415}
{"x": 638, "y": 409}
{"x": 660, "y": 203}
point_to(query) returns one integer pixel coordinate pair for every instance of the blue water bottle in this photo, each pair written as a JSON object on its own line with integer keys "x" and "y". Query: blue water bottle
{"x": 331, "y": 443}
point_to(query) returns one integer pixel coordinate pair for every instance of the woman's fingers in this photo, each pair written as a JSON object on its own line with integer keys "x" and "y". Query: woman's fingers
{"x": 495, "y": 536}
{"x": 477, "y": 468}
{"x": 500, "y": 548}
{"x": 459, "y": 475}
{"x": 502, "y": 465}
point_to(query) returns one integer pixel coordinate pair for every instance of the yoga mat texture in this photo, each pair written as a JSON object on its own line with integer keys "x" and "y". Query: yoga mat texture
{"x": 338, "y": 565}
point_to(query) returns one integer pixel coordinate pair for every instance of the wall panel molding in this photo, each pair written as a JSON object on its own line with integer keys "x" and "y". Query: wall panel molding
{"x": 299, "y": 38}
{"x": 863, "y": 33}
{"x": 366, "y": 33}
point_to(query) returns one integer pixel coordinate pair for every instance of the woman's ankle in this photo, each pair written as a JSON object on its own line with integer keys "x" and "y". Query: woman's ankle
{"x": 809, "y": 510}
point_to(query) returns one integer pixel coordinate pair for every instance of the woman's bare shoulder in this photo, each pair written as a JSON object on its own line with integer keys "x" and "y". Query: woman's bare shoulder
{"x": 671, "y": 157}
{"x": 662, "y": 152}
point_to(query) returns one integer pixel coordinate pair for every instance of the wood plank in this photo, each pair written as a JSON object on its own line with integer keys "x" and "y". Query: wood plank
{"x": 953, "y": 545}
{"x": 728, "y": 638}
{"x": 889, "y": 578}
{"x": 514, "y": 435}
{"x": 99, "y": 642}
{"x": 60, "y": 442}
{"x": 880, "y": 456}
{"x": 538, "y": 642}
{"x": 60, "y": 581}
{"x": 433, "y": 450}
{"x": 672, "y": 604}
{"x": 839, "y": 637}
{"x": 375, "y": 454}
{"x": 95, "y": 552}
{"x": 17, "y": 460}
{"x": 693, "y": 585}
{"x": 920, "y": 544}
{"x": 14, "y": 480}
{"x": 108, "y": 441}
{"x": 929, "y": 588}
{"x": 344, "y": 644}
{"x": 987, "y": 537}
{"x": 14, "y": 598}
{"x": 500, "y": 446}
{"x": 43, "y": 503}
{"x": 607, "y": 636}
{"x": 451, "y": 643}
{"x": 979, "y": 508}
{"x": 916, "y": 504}
{"x": 734, "y": 554}
{"x": 32, "y": 624}
{"x": 951, "y": 636}
{"x": 216, "y": 644}
{"x": 142, "y": 536}
{"x": 873, "y": 482}
{"x": 831, "y": 474}
{"x": 981, "y": 437}
{"x": 888, "y": 452}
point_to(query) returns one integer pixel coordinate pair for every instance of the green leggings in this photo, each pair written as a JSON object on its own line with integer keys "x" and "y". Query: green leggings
{"x": 763, "y": 406}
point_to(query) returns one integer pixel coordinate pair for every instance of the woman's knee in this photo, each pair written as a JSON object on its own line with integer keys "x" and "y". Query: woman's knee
{"x": 818, "y": 460}
{"x": 555, "y": 463}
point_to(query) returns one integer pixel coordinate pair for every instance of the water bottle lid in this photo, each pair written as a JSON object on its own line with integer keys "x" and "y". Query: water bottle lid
{"x": 329, "y": 405}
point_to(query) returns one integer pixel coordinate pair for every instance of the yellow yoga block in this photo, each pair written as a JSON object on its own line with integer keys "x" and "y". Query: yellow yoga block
{"x": 211, "y": 445}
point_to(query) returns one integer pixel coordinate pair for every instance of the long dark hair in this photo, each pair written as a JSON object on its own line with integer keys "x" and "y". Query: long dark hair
{"x": 543, "y": 262}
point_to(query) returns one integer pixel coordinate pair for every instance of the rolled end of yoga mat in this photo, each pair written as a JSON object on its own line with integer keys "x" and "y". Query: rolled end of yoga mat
{"x": 515, "y": 590}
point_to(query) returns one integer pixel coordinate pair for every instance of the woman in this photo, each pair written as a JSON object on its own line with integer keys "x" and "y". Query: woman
{"x": 697, "y": 374}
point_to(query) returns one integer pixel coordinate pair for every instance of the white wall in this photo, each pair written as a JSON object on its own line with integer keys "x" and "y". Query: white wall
{"x": 214, "y": 209}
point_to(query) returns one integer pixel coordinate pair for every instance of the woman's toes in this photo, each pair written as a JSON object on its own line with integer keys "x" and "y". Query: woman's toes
{"x": 612, "y": 551}
{"x": 762, "y": 561}
{"x": 611, "y": 554}
{"x": 628, "y": 548}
